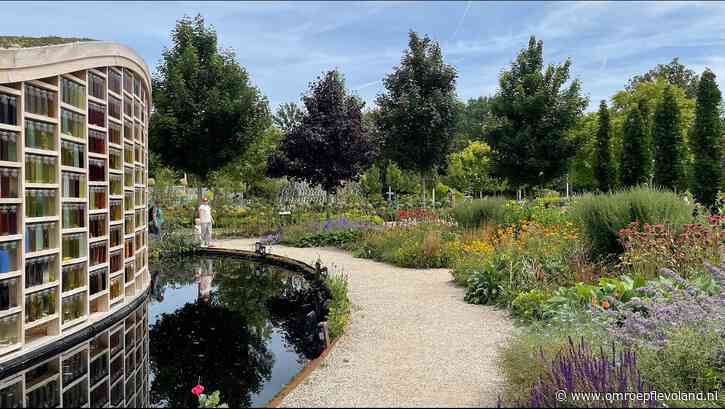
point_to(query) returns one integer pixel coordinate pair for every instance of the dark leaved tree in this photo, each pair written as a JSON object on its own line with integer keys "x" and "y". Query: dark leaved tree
{"x": 330, "y": 144}
{"x": 531, "y": 116}
{"x": 603, "y": 167}
{"x": 669, "y": 145}
{"x": 705, "y": 141}
{"x": 206, "y": 112}
{"x": 417, "y": 112}
{"x": 636, "y": 160}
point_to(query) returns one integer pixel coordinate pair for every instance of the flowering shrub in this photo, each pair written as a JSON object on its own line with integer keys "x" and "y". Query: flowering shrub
{"x": 577, "y": 368}
{"x": 667, "y": 303}
{"x": 649, "y": 247}
{"x": 207, "y": 401}
{"x": 331, "y": 232}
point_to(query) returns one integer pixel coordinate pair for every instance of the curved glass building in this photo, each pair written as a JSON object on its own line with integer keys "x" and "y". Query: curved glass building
{"x": 73, "y": 197}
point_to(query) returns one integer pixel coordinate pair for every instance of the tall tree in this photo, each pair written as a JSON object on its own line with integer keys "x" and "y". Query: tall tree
{"x": 674, "y": 73}
{"x": 668, "y": 140}
{"x": 287, "y": 116}
{"x": 705, "y": 141}
{"x": 417, "y": 112}
{"x": 206, "y": 110}
{"x": 330, "y": 144}
{"x": 603, "y": 168}
{"x": 636, "y": 157}
{"x": 531, "y": 116}
{"x": 470, "y": 170}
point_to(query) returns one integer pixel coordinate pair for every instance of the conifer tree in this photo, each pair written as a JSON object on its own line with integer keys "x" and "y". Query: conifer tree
{"x": 603, "y": 169}
{"x": 705, "y": 141}
{"x": 669, "y": 145}
{"x": 636, "y": 161}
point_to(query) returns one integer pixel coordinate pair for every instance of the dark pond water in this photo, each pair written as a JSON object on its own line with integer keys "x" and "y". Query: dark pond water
{"x": 243, "y": 328}
{"x": 239, "y": 327}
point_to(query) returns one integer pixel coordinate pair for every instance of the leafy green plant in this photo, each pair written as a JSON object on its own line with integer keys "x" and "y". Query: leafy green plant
{"x": 484, "y": 286}
{"x": 208, "y": 401}
{"x": 691, "y": 360}
{"x": 338, "y": 314}
{"x": 529, "y": 305}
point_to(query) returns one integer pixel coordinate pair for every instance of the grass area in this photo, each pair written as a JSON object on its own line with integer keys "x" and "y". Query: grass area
{"x": 25, "y": 42}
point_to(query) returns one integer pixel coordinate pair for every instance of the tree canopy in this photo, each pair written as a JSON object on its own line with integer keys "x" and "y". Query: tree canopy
{"x": 531, "y": 116}
{"x": 287, "y": 116}
{"x": 470, "y": 170}
{"x": 330, "y": 144}
{"x": 674, "y": 73}
{"x": 206, "y": 110}
{"x": 417, "y": 112}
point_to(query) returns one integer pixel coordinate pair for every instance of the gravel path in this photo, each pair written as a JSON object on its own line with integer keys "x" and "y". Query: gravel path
{"x": 412, "y": 340}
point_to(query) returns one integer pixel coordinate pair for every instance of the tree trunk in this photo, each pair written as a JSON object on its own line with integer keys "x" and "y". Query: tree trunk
{"x": 423, "y": 182}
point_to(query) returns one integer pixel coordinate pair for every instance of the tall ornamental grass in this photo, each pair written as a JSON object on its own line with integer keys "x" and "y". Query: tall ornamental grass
{"x": 602, "y": 216}
{"x": 480, "y": 212}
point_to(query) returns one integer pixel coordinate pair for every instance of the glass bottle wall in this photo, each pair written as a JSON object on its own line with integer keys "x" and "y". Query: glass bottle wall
{"x": 9, "y": 182}
{"x": 73, "y": 154}
{"x": 8, "y": 256}
{"x": 40, "y": 135}
{"x": 40, "y": 101}
{"x": 8, "y": 145}
{"x": 74, "y": 185}
{"x": 9, "y": 292}
{"x": 97, "y": 196}
{"x": 74, "y": 307}
{"x": 114, "y": 133}
{"x": 74, "y": 276}
{"x": 97, "y": 114}
{"x": 97, "y": 253}
{"x": 96, "y": 86}
{"x": 97, "y": 225}
{"x": 40, "y": 169}
{"x": 9, "y": 220}
{"x": 96, "y": 170}
{"x": 40, "y": 270}
{"x": 8, "y": 109}
{"x": 39, "y": 305}
{"x": 73, "y": 215}
{"x": 74, "y": 246}
{"x": 72, "y": 124}
{"x": 96, "y": 141}
{"x": 73, "y": 93}
{"x": 40, "y": 236}
{"x": 40, "y": 202}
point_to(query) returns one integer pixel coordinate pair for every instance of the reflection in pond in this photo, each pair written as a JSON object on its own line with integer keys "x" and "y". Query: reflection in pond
{"x": 110, "y": 367}
{"x": 235, "y": 326}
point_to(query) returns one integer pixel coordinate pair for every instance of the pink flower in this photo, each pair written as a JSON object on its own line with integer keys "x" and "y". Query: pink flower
{"x": 197, "y": 390}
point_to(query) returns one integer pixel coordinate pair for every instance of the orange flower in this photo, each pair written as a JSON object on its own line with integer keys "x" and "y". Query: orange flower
{"x": 605, "y": 304}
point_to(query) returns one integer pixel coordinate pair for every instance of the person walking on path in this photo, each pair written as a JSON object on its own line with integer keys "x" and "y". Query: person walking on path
{"x": 205, "y": 221}
{"x": 156, "y": 218}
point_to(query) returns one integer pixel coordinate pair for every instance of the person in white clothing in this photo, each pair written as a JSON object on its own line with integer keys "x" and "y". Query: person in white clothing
{"x": 205, "y": 221}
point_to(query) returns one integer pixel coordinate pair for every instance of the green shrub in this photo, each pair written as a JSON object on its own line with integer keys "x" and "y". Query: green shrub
{"x": 464, "y": 267}
{"x": 529, "y": 306}
{"x": 423, "y": 245}
{"x": 602, "y": 216}
{"x": 478, "y": 212}
{"x": 693, "y": 360}
{"x": 485, "y": 284}
{"x": 338, "y": 313}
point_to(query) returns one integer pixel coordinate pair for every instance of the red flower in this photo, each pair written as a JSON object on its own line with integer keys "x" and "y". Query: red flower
{"x": 197, "y": 390}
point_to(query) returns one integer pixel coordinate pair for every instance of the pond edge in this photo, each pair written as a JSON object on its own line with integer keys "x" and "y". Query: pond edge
{"x": 294, "y": 265}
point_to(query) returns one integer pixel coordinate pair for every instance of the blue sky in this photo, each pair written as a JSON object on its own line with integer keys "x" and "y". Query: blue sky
{"x": 285, "y": 45}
